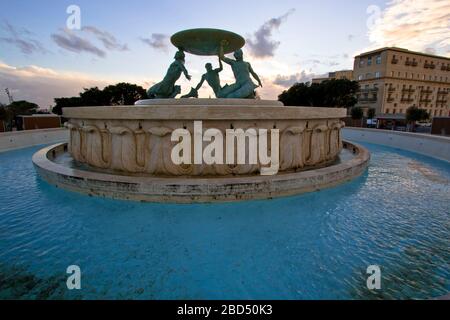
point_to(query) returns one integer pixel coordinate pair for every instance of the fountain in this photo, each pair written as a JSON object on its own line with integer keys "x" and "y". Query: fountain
{"x": 127, "y": 152}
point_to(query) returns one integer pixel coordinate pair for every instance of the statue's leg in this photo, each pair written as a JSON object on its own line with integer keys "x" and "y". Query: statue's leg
{"x": 244, "y": 92}
{"x": 192, "y": 94}
{"x": 228, "y": 90}
{"x": 176, "y": 91}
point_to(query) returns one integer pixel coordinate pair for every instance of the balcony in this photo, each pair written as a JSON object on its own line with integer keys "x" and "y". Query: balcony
{"x": 427, "y": 91}
{"x": 442, "y": 92}
{"x": 394, "y": 61}
{"x": 390, "y": 99}
{"x": 368, "y": 90}
{"x": 411, "y": 63}
{"x": 406, "y": 100}
{"x": 443, "y": 101}
{"x": 429, "y": 65}
{"x": 391, "y": 89}
{"x": 425, "y": 100}
{"x": 408, "y": 90}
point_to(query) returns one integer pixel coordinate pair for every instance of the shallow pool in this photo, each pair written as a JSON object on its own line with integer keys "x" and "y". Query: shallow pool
{"x": 312, "y": 246}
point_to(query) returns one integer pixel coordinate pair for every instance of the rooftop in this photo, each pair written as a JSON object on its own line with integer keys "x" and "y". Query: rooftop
{"x": 403, "y": 51}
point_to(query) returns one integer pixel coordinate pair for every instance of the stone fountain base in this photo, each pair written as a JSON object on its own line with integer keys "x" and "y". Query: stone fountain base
{"x": 125, "y": 152}
{"x": 55, "y": 166}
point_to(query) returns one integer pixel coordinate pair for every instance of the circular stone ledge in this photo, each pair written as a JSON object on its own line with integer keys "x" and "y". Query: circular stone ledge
{"x": 209, "y": 102}
{"x": 196, "y": 190}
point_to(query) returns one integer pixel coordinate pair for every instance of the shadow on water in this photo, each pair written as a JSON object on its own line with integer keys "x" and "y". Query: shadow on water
{"x": 417, "y": 273}
{"x": 16, "y": 283}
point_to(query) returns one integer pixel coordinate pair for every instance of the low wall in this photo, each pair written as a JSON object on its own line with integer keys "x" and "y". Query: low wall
{"x": 433, "y": 146}
{"x": 22, "y": 139}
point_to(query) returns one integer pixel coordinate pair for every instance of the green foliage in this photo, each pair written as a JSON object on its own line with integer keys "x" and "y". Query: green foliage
{"x": 357, "y": 113}
{"x": 119, "y": 94}
{"x": 371, "y": 113}
{"x": 339, "y": 93}
{"x": 17, "y": 108}
{"x": 3, "y": 113}
{"x": 414, "y": 114}
{"x": 61, "y": 103}
{"x": 22, "y": 108}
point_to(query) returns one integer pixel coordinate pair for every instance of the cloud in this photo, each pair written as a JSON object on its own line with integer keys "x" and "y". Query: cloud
{"x": 287, "y": 81}
{"x": 77, "y": 42}
{"x": 68, "y": 40}
{"x": 22, "y": 39}
{"x": 414, "y": 25}
{"x": 42, "y": 85}
{"x": 157, "y": 41}
{"x": 109, "y": 41}
{"x": 261, "y": 44}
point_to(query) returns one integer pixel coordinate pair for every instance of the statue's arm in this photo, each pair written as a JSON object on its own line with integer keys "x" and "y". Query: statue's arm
{"x": 200, "y": 83}
{"x": 220, "y": 66}
{"x": 253, "y": 73}
{"x": 222, "y": 55}
{"x": 183, "y": 68}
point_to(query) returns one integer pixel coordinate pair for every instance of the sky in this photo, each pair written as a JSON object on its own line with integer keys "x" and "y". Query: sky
{"x": 287, "y": 41}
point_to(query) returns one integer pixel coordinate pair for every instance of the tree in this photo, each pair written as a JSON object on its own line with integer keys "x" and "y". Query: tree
{"x": 357, "y": 113}
{"x": 414, "y": 114}
{"x": 17, "y": 108}
{"x": 61, "y": 103}
{"x": 119, "y": 94}
{"x": 124, "y": 94}
{"x": 335, "y": 93}
{"x": 371, "y": 113}
{"x": 3, "y": 112}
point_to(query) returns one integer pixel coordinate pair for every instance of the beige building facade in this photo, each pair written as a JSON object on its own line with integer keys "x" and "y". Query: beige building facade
{"x": 394, "y": 79}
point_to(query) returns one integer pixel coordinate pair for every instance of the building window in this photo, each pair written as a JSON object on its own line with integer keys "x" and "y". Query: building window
{"x": 387, "y": 110}
{"x": 360, "y": 77}
{"x": 377, "y": 74}
{"x": 369, "y": 61}
{"x": 392, "y": 73}
{"x": 361, "y": 63}
{"x": 378, "y": 59}
{"x": 368, "y": 75}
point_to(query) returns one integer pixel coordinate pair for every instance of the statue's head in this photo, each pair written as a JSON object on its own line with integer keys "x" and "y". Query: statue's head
{"x": 238, "y": 54}
{"x": 179, "y": 55}
{"x": 208, "y": 66}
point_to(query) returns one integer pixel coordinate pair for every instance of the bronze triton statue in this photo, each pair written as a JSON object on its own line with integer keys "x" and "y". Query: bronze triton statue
{"x": 209, "y": 42}
{"x": 167, "y": 89}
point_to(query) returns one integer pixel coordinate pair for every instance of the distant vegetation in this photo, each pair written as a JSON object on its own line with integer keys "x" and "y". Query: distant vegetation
{"x": 415, "y": 114}
{"x": 119, "y": 94}
{"x": 330, "y": 93}
{"x": 8, "y": 113}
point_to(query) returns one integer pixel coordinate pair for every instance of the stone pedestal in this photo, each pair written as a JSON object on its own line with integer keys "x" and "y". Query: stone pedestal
{"x": 137, "y": 139}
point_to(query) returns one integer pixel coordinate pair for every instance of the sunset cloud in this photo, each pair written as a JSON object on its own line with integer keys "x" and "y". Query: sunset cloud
{"x": 420, "y": 25}
{"x": 262, "y": 45}
{"x": 157, "y": 41}
{"x": 42, "y": 85}
{"x": 21, "y": 38}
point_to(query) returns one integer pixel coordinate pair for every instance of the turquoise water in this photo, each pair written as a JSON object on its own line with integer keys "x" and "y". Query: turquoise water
{"x": 312, "y": 246}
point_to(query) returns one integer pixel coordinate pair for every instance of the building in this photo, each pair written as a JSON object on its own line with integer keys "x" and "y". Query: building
{"x": 394, "y": 79}
{"x": 342, "y": 74}
{"x": 38, "y": 121}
